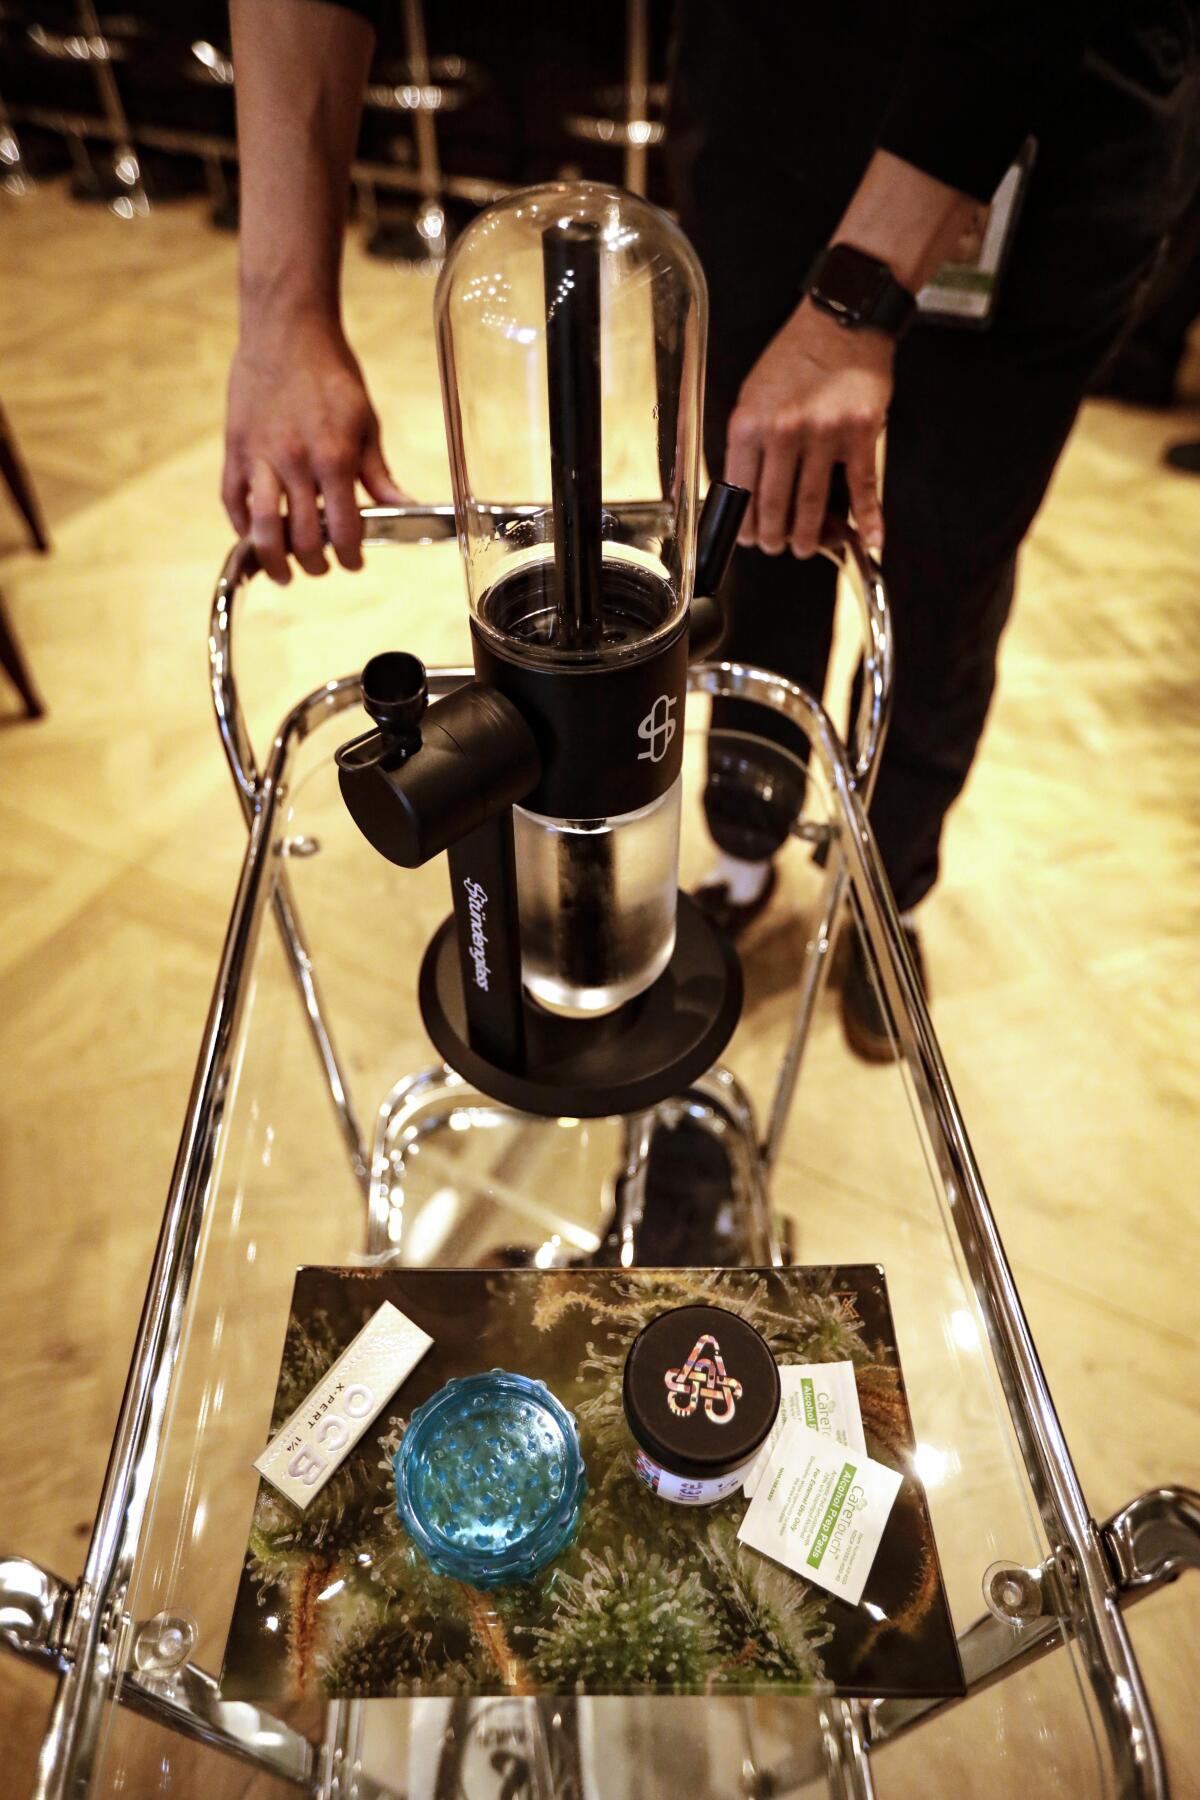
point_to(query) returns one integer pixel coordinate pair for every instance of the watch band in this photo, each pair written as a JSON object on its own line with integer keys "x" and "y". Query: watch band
{"x": 859, "y": 291}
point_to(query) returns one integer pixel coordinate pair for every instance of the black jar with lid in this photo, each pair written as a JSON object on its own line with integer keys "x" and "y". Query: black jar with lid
{"x": 701, "y": 1393}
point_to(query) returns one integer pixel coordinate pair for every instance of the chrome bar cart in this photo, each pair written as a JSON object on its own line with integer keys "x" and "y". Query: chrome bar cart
{"x": 276, "y": 1167}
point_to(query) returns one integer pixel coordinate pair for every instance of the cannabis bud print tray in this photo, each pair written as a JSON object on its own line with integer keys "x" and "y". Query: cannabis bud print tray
{"x": 336, "y": 1600}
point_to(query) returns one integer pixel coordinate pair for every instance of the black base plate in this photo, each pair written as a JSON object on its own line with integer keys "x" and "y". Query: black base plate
{"x": 648, "y": 1050}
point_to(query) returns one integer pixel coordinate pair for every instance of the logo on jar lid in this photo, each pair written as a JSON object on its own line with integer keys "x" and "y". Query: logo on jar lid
{"x": 703, "y": 1377}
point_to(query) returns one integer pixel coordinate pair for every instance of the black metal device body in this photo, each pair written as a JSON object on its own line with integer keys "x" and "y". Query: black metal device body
{"x": 457, "y": 765}
{"x": 447, "y": 778}
{"x": 583, "y": 742}
{"x": 651, "y": 1048}
{"x": 609, "y": 735}
{"x": 572, "y": 729}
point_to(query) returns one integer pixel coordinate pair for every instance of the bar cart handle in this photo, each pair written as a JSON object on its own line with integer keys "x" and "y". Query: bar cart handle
{"x": 436, "y": 524}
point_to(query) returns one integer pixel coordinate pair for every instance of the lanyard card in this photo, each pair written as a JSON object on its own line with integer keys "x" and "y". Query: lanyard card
{"x": 965, "y": 288}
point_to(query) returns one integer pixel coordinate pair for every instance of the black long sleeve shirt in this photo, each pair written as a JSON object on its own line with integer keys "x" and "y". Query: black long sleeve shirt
{"x": 972, "y": 78}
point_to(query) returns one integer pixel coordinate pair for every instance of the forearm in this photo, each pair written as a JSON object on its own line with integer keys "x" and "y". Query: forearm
{"x": 301, "y": 70}
{"x": 905, "y": 218}
{"x": 818, "y": 395}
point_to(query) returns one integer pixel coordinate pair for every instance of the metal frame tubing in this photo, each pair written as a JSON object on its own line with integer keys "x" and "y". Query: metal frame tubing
{"x": 433, "y": 524}
{"x": 182, "y": 141}
{"x": 1089, "y": 1587}
{"x": 98, "y": 1624}
{"x": 431, "y": 217}
{"x": 426, "y": 524}
{"x": 874, "y": 713}
{"x": 847, "y": 1770}
{"x": 125, "y": 164}
{"x": 1064, "y": 1514}
{"x": 637, "y": 94}
{"x": 716, "y": 1103}
{"x": 15, "y": 178}
{"x": 1154, "y": 1539}
{"x": 98, "y": 1620}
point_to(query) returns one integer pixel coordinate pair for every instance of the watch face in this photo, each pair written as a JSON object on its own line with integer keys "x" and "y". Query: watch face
{"x": 850, "y": 281}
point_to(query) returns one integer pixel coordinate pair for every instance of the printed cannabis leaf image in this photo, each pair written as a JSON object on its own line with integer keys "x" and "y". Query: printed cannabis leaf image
{"x": 336, "y": 1602}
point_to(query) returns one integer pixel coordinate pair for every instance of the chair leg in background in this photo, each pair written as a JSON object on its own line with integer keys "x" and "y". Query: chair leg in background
{"x": 13, "y": 662}
{"x": 16, "y": 476}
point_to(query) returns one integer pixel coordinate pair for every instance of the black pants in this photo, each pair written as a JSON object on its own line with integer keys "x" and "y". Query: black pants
{"x": 978, "y": 419}
{"x": 1150, "y": 356}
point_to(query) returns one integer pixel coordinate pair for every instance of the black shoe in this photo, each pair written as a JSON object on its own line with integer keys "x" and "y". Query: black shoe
{"x": 689, "y": 1218}
{"x": 734, "y": 917}
{"x": 1139, "y": 375}
{"x": 1185, "y": 457}
{"x": 865, "y": 1014}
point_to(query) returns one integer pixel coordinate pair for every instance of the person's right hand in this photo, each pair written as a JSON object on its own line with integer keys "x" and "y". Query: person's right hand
{"x": 300, "y": 425}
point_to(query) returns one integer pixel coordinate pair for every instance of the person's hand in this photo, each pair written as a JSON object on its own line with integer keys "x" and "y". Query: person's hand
{"x": 299, "y": 426}
{"x": 817, "y": 396}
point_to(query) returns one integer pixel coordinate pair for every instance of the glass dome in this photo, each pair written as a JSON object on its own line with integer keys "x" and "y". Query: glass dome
{"x": 571, "y": 327}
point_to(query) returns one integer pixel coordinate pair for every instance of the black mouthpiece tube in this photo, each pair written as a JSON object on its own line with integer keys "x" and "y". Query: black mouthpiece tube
{"x": 571, "y": 267}
{"x": 716, "y": 535}
{"x": 395, "y": 693}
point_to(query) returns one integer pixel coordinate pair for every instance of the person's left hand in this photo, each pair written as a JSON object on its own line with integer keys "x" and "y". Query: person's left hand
{"x": 817, "y": 396}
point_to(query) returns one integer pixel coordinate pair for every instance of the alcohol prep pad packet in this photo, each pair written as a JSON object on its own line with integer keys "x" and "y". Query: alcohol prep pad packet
{"x": 820, "y": 1509}
{"x": 822, "y": 1396}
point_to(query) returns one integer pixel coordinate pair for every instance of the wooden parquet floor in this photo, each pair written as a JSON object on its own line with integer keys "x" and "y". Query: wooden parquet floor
{"x": 1063, "y": 939}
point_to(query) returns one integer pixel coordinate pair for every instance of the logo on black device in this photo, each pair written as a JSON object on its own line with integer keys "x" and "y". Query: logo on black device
{"x": 658, "y": 729}
{"x": 477, "y": 913}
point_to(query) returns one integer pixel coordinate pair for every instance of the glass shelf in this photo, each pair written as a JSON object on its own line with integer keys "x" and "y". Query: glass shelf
{"x": 322, "y": 1130}
{"x": 455, "y": 1179}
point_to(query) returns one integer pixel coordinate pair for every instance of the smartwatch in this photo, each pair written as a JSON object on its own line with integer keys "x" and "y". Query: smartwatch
{"x": 859, "y": 291}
